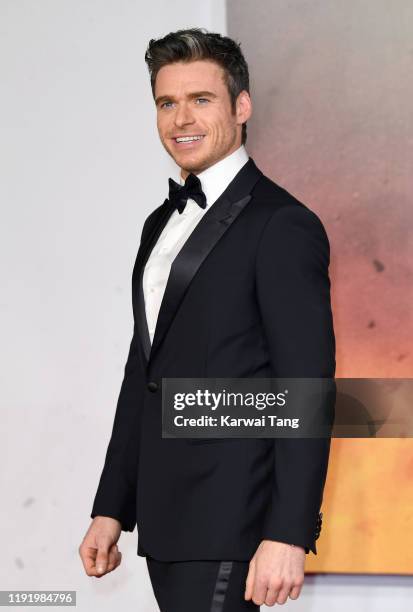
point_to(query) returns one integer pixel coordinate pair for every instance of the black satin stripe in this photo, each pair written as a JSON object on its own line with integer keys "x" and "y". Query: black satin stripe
{"x": 221, "y": 586}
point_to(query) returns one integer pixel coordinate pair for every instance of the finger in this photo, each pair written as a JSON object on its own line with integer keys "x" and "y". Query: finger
{"x": 114, "y": 559}
{"x": 102, "y": 557}
{"x": 260, "y": 590}
{"x": 271, "y": 597}
{"x": 119, "y": 560}
{"x": 249, "y": 583}
{"x": 284, "y": 592}
{"x": 88, "y": 556}
{"x": 295, "y": 592}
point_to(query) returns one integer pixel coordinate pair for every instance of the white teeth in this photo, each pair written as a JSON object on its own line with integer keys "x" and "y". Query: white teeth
{"x": 188, "y": 138}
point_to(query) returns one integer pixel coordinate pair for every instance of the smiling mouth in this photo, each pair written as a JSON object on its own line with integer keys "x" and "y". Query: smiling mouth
{"x": 192, "y": 138}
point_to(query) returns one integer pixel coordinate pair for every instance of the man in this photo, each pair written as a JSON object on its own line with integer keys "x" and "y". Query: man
{"x": 231, "y": 280}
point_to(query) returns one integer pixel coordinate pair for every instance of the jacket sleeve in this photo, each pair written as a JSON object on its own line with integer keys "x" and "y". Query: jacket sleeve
{"x": 116, "y": 493}
{"x": 293, "y": 292}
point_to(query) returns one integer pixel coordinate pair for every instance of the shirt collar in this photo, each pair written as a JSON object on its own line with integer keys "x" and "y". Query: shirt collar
{"x": 216, "y": 178}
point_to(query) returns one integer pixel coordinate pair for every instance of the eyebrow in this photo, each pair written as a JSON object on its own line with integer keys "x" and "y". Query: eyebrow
{"x": 195, "y": 94}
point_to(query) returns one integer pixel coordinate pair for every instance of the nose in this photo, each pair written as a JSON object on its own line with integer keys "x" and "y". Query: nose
{"x": 183, "y": 115}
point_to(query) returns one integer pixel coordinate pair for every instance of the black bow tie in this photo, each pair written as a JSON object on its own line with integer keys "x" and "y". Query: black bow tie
{"x": 179, "y": 194}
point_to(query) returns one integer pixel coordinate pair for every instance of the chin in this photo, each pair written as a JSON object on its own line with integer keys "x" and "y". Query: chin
{"x": 191, "y": 164}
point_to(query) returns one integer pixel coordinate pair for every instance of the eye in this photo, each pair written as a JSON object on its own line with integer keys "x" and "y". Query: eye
{"x": 204, "y": 99}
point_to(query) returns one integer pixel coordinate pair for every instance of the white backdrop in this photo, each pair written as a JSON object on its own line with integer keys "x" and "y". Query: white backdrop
{"x": 81, "y": 167}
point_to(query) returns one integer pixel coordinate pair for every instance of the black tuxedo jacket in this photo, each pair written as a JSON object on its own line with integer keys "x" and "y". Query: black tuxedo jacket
{"x": 248, "y": 295}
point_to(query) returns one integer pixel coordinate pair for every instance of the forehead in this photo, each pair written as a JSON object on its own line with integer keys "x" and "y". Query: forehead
{"x": 183, "y": 77}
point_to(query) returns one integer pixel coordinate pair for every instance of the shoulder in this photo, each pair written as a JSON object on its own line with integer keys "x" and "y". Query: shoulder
{"x": 284, "y": 212}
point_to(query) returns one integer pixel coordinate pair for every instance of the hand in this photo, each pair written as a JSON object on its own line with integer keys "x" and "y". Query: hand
{"x": 276, "y": 571}
{"x": 98, "y": 550}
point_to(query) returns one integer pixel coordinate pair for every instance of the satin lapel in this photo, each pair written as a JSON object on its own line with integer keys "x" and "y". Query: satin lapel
{"x": 137, "y": 276}
{"x": 200, "y": 243}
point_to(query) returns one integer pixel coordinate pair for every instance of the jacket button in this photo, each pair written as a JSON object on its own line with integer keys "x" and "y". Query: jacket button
{"x": 152, "y": 386}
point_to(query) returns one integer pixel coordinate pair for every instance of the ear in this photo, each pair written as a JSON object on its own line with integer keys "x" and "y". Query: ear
{"x": 243, "y": 107}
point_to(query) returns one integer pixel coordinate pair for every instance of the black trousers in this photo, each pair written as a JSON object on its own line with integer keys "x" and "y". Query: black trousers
{"x": 200, "y": 586}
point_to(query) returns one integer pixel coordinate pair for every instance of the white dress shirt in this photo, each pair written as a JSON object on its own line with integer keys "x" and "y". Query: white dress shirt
{"x": 214, "y": 181}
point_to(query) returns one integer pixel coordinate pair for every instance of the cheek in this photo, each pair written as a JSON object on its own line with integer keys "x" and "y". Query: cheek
{"x": 221, "y": 126}
{"x": 215, "y": 129}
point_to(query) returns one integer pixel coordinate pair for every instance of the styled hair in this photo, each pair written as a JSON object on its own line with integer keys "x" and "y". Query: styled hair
{"x": 199, "y": 44}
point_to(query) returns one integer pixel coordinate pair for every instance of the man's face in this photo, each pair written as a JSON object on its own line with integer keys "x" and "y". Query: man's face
{"x": 193, "y": 100}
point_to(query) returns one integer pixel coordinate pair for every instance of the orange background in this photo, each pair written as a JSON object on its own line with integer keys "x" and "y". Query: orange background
{"x": 332, "y": 123}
